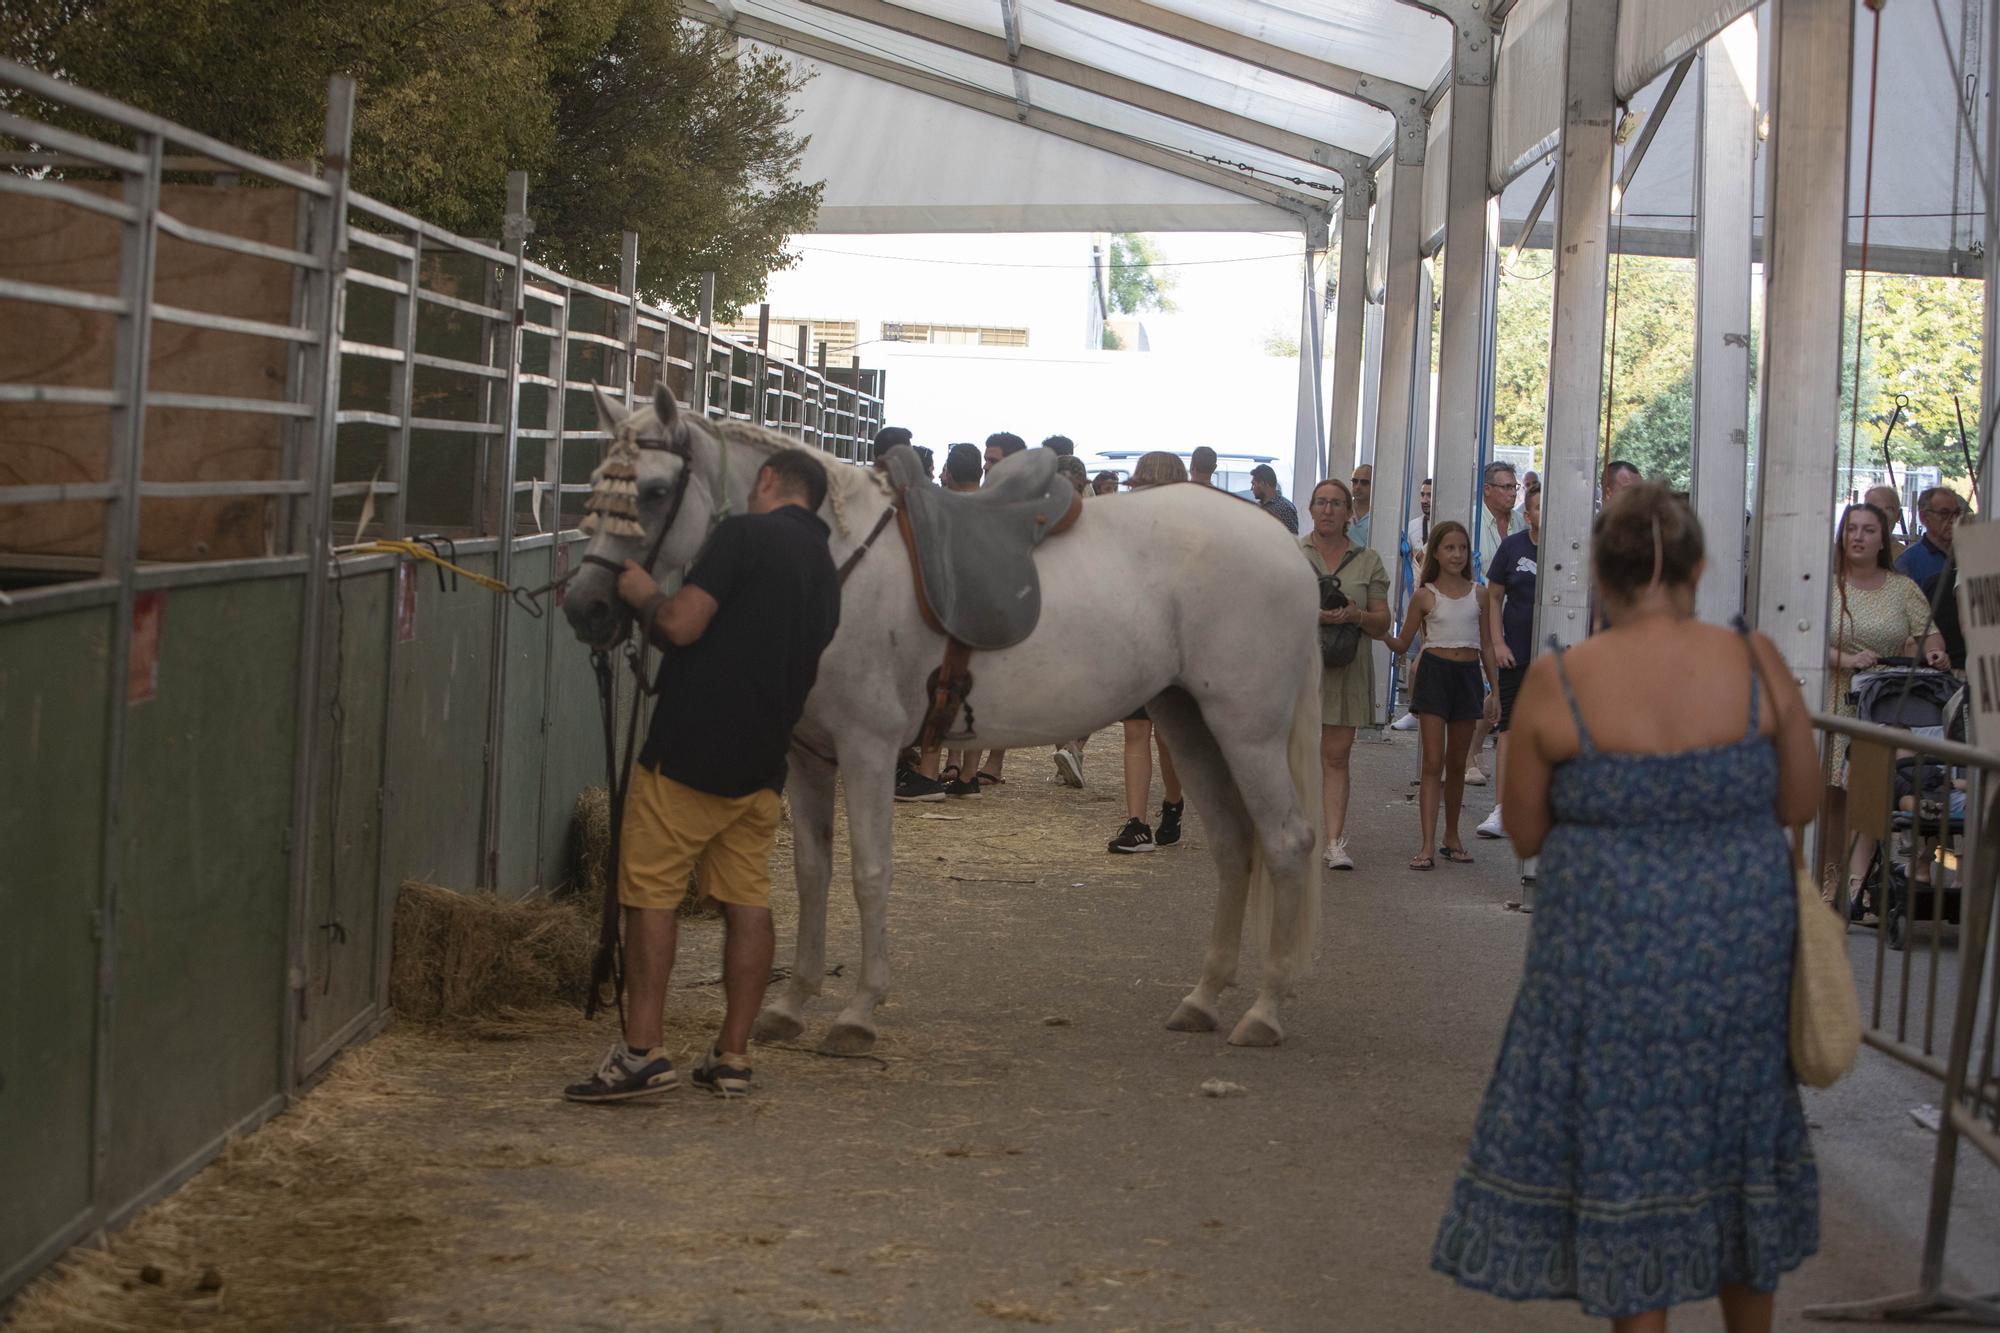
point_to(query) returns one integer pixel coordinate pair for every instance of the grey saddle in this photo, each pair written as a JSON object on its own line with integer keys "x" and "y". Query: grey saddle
{"x": 974, "y": 550}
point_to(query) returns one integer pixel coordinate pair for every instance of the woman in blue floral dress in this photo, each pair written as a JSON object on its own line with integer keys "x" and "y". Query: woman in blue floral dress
{"x": 1641, "y": 1143}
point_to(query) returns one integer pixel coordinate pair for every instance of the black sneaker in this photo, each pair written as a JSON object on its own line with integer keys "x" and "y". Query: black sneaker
{"x": 914, "y": 786}
{"x": 1134, "y": 837}
{"x": 1170, "y": 822}
{"x": 962, "y": 787}
{"x": 624, "y": 1076}
{"x": 721, "y": 1079}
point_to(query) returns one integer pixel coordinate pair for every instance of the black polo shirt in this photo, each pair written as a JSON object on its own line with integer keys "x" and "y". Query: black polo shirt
{"x": 727, "y": 703}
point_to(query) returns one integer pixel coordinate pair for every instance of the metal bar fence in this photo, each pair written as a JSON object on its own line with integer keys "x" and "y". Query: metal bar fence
{"x": 400, "y": 415}
{"x": 1932, "y": 807}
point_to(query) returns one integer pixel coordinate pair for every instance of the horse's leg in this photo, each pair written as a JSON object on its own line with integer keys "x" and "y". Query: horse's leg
{"x": 1263, "y": 779}
{"x": 1227, "y": 826}
{"x": 868, "y": 773}
{"x": 809, "y": 793}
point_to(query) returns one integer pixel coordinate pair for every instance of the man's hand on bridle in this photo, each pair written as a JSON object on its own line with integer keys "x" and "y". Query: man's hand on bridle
{"x": 635, "y": 586}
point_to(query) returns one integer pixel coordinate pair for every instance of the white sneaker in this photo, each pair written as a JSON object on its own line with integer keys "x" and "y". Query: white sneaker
{"x": 1491, "y": 827}
{"x": 1337, "y": 857}
{"x": 1407, "y": 722}
{"x": 1473, "y": 777}
{"x": 1069, "y": 766}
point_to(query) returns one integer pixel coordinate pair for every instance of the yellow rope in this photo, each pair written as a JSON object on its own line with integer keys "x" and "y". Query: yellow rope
{"x": 418, "y": 551}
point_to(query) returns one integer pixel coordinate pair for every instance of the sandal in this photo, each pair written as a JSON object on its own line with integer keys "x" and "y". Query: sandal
{"x": 985, "y": 779}
{"x": 1456, "y": 855}
{"x": 1422, "y": 863}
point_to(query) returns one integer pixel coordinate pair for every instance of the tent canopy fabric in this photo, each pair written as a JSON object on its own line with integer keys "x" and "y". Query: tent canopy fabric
{"x": 1164, "y": 115}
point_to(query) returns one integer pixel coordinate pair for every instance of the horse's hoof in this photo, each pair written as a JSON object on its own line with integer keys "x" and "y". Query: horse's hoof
{"x": 1191, "y": 1017}
{"x": 1254, "y": 1031}
{"x": 847, "y": 1039}
{"x": 776, "y": 1025}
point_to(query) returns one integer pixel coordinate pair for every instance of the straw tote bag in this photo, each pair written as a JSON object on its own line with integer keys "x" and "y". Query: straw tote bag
{"x": 1826, "y": 1013}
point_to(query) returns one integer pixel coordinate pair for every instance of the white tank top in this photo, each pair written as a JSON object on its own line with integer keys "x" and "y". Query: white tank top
{"x": 1453, "y": 622}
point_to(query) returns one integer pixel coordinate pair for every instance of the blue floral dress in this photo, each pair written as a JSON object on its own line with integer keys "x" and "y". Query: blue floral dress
{"x": 1641, "y": 1143}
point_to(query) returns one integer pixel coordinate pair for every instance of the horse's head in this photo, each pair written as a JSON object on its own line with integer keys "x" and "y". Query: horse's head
{"x": 648, "y": 503}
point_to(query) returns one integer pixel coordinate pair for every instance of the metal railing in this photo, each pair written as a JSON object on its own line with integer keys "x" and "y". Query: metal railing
{"x": 1928, "y": 994}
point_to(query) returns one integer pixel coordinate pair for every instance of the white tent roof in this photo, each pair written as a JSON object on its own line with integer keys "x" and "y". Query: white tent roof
{"x": 1162, "y": 115}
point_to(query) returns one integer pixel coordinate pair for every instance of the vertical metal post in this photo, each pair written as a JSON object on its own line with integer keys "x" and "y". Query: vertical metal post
{"x": 1350, "y": 304}
{"x": 1725, "y": 167}
{"x": 1308, "y": 448}
{"x": 1576, "y": 342}
{"x": 1403, "y": 306}
{"x": 554, "y": 412}
{"x": 759, "y": 362}
{"x": 1805, "y": 239}
{"x": 702, "y": 355}
{"x": 628, "y": 286}
{"x": 138, "y": 244}
{"x": 322, "y": 385}
{"x": 1989, "y": 378}
{"x": 1463, "y": 346}
{"x": 517, "y": 228}
{"x": 402, "y": 389}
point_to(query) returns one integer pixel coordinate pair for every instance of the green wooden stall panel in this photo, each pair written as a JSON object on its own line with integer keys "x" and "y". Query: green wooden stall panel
{"x": 343, "y": 895}
{"x": 435, "y": 789}
{"x": 521, "y": 733}
{"x": 574, "y": 757}
{"x": 204, "y": 897}
{"x": 52, "y": 720}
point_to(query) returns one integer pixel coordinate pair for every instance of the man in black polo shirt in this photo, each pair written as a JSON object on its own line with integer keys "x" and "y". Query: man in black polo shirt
{"x": 742, "y": 638}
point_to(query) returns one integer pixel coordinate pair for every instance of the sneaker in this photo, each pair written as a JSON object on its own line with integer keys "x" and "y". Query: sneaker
{"x": 914, "y": 786}
{"x": 1337, "y": 857}
{"x": 721, "y": 1079}
{"x": 962, "y": 787}
{"x": 1407, "y": 722}
{"x": 1134, "y": 837}
{"x": 1491, "y": 827}
{"x": 1473, "y": 777}
{"x": 1170, "y": 822}
{"x": 1069, "y": 766}
{"x": 624, "y": 1076}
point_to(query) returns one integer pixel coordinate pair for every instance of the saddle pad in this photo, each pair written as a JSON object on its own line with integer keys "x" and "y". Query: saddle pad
{"x": 973, "y": 551}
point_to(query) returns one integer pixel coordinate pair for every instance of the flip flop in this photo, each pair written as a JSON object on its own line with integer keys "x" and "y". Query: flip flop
{"x": 1456, "y": 855}
{"x": 1422, "y": 863}
{"x": 985, "y": 779}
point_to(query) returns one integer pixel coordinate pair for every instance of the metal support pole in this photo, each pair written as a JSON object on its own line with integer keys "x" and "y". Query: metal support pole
{"x": 1725, "y": 166}
{"x": 698, "y": 386}
{"x": 1403, "y": 306}
{"x": 1805, "y": 226}
{"x": 1350, "y": 304}
{"x": 628, "y": 286}
{"x": 1307, "y": 445}
{"x": 1576, "y": 343}
{"x": 131, "y": 354}
{"x": 758, "y": 363}
{"x": 1989, "y": 379}
{"x": 1463, "y": 346}
{"x": 396, "y": 520}
{"x": 554, "y": 410}
{"x": 517, "y": 229}
{"x": 322, "y": 385}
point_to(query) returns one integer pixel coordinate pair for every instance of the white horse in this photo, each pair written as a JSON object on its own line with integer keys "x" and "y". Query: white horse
{"x": 1181, "y": 598}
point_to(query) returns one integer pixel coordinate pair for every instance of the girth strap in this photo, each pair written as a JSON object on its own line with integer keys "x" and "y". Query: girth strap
{"x": 950, "y": 688}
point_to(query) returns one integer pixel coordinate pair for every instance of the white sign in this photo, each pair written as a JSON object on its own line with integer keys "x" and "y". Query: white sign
{"x": 1976, "y": 547}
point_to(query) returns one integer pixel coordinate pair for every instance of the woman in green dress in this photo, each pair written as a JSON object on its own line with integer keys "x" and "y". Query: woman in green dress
{"x": 1346, "y": 693}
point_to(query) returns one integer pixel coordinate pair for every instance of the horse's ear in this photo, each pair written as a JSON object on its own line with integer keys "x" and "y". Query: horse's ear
{"x": 665, "y": 409}
{"x": 610, "y": 413}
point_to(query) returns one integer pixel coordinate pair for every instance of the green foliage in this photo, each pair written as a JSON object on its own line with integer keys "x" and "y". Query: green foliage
{"x": 1923, "y": 338}
{"x": 1135, "y": 285}
{"x": 624, "y": 117}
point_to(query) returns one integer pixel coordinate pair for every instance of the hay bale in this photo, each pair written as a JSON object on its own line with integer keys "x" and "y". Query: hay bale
{"x": 590, "y": 839}
{"x": 468, "y": 955}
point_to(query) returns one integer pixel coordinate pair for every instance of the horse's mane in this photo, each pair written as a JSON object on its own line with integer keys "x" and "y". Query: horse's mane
{"x": 844, "y": 481}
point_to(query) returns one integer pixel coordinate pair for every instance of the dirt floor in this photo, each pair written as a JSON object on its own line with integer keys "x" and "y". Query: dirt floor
{"x": 1029, "y": 1147}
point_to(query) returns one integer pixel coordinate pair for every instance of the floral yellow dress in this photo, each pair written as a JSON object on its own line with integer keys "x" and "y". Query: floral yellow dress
{"x": 1347, "y": 694}
{"x": 1882, "y": 621}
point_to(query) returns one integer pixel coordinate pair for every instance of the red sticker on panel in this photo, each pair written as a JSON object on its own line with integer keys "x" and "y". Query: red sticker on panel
{"x": 142, "y": 677}
{"x": 406, "y": 602}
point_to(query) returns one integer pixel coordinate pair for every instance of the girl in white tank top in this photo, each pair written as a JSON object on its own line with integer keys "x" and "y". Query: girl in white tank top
{"x": 1451, "y": 694}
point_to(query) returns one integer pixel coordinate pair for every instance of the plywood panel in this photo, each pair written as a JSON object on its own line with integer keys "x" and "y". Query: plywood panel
{"x": 57, "y": 245}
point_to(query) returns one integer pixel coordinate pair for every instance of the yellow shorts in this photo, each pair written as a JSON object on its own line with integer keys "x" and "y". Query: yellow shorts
{"x": 671, "y": 828}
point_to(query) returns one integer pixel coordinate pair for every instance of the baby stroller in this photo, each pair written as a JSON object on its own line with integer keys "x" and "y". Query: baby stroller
{"x": 1898, "y": 693}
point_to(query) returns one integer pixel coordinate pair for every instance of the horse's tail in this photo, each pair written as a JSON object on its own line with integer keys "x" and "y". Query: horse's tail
{"x": 1295, "y": 939}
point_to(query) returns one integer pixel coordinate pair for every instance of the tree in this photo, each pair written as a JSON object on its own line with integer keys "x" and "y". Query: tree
{"x": 623, "y": 116}
{"x": 1135, "y": 285}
